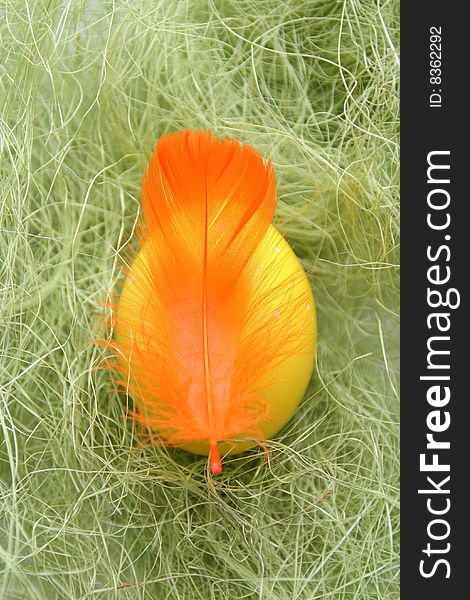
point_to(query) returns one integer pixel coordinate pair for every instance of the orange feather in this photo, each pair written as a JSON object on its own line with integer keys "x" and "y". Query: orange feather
{"x": 192, "y": 350}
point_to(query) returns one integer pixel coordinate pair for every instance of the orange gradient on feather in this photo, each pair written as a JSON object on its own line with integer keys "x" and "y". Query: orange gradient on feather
{"x": 215, "y": 327}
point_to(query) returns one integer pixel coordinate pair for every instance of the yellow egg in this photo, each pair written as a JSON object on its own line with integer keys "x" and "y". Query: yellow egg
{"x": 288, "y": 381}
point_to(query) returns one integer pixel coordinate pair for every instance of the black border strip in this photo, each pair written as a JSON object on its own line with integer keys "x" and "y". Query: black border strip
{"x": 427, "y": 127}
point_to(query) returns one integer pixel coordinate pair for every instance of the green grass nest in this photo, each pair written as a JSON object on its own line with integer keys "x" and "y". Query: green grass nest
{"x": 86, "y": 88}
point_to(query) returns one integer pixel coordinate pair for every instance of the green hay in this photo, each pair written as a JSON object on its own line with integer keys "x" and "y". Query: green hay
{"x": 86, "y": 89}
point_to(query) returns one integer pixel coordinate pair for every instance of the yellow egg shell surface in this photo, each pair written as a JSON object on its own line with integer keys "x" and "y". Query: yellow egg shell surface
{"x": 287, "y": 381}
